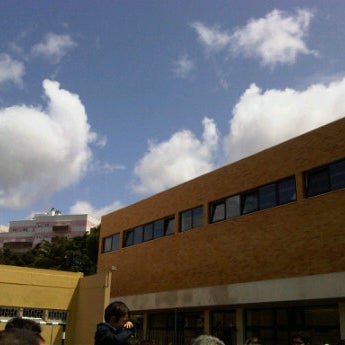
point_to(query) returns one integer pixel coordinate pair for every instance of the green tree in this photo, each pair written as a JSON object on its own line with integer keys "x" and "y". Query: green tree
{"x": 78, "y": 254}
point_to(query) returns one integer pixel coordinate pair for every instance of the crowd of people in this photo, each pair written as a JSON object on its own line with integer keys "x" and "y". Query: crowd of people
{"x": 116, "y": 329}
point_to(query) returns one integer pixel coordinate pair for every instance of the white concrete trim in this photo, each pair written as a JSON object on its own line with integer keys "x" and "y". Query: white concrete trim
{"x": 320, "y": 286}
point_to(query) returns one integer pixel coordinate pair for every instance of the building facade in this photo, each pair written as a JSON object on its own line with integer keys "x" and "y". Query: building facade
{"x": 252, "y": 248}
{"x": 23, "y": 235}
{"x": 67, "y": 305}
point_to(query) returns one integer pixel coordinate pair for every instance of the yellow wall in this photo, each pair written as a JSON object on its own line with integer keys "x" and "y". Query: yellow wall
{"x": 83, "y": 298}
{"x": 93, "y": 297}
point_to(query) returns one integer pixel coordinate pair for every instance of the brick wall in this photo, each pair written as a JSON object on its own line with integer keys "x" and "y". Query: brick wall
{"x": 301, "y": 238}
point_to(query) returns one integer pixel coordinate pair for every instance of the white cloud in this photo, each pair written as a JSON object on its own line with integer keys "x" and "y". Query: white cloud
{"x": 11, "y": 70}
{"x": 42, "y": 151}
{"x": 53, "y": 47}
{"x": 179, "y": 159}
{"x": 278, "y": 38}
{"x": 212, "y": 38}
{"x": 264, "y": 119}
{"x": 183, "y": 66}
{"x": 84, "y": 207}
{"x": 105, "y": 167}
{"x": 275, "y": 39}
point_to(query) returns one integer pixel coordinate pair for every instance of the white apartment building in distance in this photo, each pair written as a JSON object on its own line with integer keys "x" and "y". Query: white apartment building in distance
{"x": 23, "y": 235}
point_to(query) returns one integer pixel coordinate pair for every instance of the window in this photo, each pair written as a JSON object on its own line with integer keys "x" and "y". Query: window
{"x": 163, "y": 227}
{"x": 128, "y": 238}
{"x": 276, "y": 325}
{"x": 57, "y": 315}
{"x": 175, "y": 328}
{"x": 218, "y": 211}
{"x": 149, "y": 231}
{"x": 286, "y": 190}
{"x": 111, "y": 243}
{"x": 158, "y": 228}
{"x": 337, "y": 173}
{"x": 325, "y": 179}
{"x": 138, "y": 235}
{"x": 233, "y": 206}
{"x": 250, "y": 202}
{"x": 267, "y": 196}
{"x": 9, "y": 312}
{"x": 169, "y": 225}
{"x": 33, "y": 313}
{"x": 192, "y": 218}
{"x": 107, "y": 244}
{"x": 223, "y": 325}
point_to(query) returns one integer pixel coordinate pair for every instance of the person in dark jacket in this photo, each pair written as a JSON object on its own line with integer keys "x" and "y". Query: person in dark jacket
{"x": 116, "y": 330}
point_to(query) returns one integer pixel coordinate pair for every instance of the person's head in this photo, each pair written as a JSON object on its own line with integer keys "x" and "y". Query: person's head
{"x": 19, "y": 322}
{"x": 207, "y": 340}
{"x": 116, "y": 313}
{"x": 20, "y": 336}
{"x": 300, "y": 338}
{"x": 253, "y": 340}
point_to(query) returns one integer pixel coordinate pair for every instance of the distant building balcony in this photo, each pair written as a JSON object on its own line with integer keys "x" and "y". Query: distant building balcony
{"x": 18, "y": 247}
{"x": 61, "y": 229}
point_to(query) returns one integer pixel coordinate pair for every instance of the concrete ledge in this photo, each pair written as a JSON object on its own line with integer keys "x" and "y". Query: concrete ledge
{"x": 321, "y": 286}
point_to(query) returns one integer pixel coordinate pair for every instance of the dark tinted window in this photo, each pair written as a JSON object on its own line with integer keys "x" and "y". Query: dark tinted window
{"x": 325, "y": 179}
{"x": 138, "y": 234}
{"x": 286, "y": 190}
{"x": 158, "y": 228}
{"x": 267, "y": 196}
{"x": 317, "y": 182}
{"x": 337, "y": 172}
{"x": 111, "y": 243}
{"x": 249, "y": 202}
{"x": 148, "y": 232}
{"x": 186, "y": 220}
{"x": 233, "y": 206}
{"x": 218, "y": 211}
{"x": 192, "y": 218}
{"x": 128, "y": 238}
{"x": 169, "y": 226}
{"x": 107, "y": 244}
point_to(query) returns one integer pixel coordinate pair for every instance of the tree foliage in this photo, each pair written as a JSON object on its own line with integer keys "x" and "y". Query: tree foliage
{"x": 78, "y": 254}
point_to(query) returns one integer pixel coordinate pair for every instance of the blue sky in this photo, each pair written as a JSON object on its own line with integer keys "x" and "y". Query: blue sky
{"x": 105, "y": 103}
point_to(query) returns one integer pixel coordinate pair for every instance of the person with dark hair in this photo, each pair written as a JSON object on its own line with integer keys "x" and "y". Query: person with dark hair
{"x": 300, "y": 338}
{"x": 20, "y": 336}
{"x": 19, "y": 322}
{"x": 116, "y": 329}
{"x": 206, "y": 339}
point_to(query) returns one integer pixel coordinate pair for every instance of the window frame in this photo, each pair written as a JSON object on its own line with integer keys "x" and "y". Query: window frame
{"x": 114, "y": 239}
{"x": 143, "y": 233}
{"x": 222, "y": 206}
{"x": 193, "y": 218}
{"x": 327, "y": 174}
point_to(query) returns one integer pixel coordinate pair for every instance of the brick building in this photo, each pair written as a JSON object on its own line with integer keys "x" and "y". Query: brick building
{"x": 253, "y": 248}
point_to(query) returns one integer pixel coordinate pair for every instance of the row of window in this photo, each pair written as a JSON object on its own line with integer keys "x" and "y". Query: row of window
{"x": 325, "y": 179}
{"x": 267, "y": 196}
{"x": 317, "y": 181}
{"x": 33, "y": 313}
{"x": 150, "y": 231}
{"x": 159, "y": 228}
{"x": 273, "y": 325}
